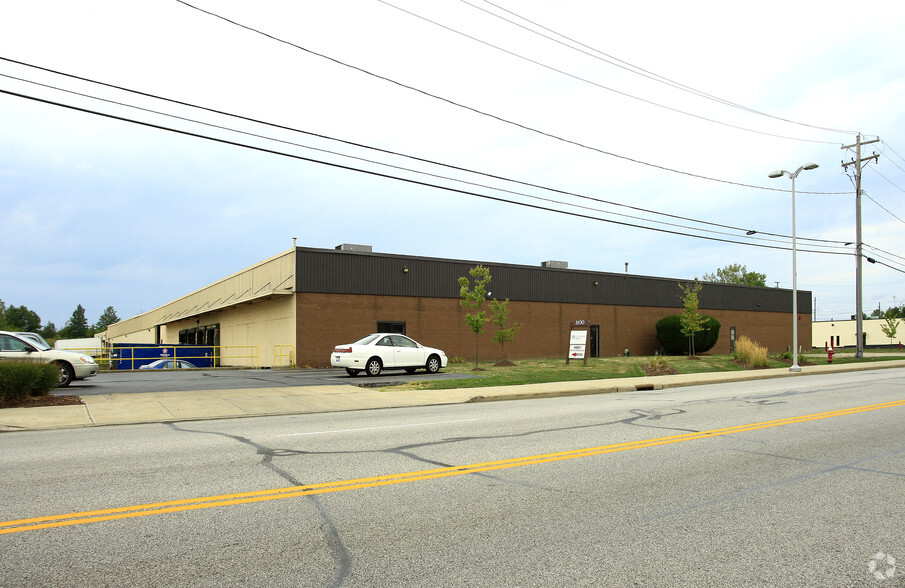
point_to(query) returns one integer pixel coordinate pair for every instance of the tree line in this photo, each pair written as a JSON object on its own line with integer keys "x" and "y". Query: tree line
{"x": 20, "y": 318}
{"x": 895, "y": 312}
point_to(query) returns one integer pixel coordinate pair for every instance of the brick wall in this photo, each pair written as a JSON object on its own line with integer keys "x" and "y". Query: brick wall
{"x": 326, "y": 320}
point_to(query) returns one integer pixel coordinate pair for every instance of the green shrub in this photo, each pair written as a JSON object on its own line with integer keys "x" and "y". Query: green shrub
{"x": 19, "y": 380}
{"x": 747, "y": 351}
{"x": 669, "y": 333}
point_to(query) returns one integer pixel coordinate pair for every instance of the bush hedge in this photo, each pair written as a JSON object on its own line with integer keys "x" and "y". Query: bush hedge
{"x": 669, "y": 333}
{"x": 19, "y": 380}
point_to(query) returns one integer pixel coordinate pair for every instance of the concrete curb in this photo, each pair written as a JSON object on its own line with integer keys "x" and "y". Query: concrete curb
{"x": 165, "y": 407}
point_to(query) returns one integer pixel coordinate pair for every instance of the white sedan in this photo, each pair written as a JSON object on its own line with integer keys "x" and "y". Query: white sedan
{"x": 374, "y": 353}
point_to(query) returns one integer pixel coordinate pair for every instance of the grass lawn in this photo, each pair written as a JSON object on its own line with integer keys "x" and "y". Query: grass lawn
{"x": 537, "y": 371}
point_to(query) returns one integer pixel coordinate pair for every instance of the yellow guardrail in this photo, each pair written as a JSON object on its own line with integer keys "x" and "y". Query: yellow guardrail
{"x": 283, "y": 352}
{"x": 92, "y": 351}
{"x": 231, "y": 352}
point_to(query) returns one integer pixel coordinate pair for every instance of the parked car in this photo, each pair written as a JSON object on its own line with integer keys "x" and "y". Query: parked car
{"x": 35, "y": 337}
{"x": 379, "y": 351}
{"x": 168, "y": 364}
{"x": 73, "y": 366}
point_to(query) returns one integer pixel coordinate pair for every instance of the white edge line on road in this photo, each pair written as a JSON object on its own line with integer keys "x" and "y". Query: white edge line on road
{"x": 379, "y": 428}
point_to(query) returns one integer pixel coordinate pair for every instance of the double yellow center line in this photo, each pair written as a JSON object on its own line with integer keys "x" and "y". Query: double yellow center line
{"x": 142, "y": 510}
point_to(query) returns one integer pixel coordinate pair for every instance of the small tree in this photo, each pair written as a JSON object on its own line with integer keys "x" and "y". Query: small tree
{"x": 106, "y": 319}
{"x": 474, "y": 298}
{"x": 499, "y": 311}
{"x": 890, "y": 327}
{"x": 692, "y": 321}
{"x": 77, "y": 325}
{"x": 49, "y": 331}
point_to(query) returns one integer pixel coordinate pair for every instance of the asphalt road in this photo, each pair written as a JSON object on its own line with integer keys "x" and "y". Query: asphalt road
{"x": 222, "y": 379}
{"x": 781, "y": 482}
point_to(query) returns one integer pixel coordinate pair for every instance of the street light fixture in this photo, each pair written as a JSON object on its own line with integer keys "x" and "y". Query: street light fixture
{"x": 779, "y": 173}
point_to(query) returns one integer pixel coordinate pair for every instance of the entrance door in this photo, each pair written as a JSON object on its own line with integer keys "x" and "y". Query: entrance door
{"x": 594, "y": 350}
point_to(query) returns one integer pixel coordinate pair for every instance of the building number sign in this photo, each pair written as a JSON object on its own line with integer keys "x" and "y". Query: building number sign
{"x": 579, "y": 338}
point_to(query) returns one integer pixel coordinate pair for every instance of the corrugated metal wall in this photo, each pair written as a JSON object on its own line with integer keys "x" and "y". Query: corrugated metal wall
{"x": 348, "y": 272}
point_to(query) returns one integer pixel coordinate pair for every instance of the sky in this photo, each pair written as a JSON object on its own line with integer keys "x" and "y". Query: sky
{"x": 601, "y": 134}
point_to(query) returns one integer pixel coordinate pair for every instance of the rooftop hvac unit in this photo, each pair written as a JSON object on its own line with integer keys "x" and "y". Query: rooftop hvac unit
{"x": 555, "y": 264}
{"x": 353, "y": 247}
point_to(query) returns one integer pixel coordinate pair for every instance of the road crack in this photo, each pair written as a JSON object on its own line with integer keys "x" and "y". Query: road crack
{"x": 342, "y": 559}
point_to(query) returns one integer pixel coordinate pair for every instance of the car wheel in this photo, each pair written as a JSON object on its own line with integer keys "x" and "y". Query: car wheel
{"x": 374, "y": 366}
{"x": 352, "y": 372}
{"x": 66, "y": 375}
{"x": 433, "y": 364}
{"x": 410, "y": 370}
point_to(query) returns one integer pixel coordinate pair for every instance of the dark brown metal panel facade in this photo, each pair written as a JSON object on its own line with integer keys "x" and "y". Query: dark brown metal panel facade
{"x": 330, "y": 271}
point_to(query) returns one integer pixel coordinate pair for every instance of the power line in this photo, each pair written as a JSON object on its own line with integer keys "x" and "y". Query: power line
{"x": 889, "y": 212}
{"x": 888, "y": 146}
{"x": 457, "y": 168}
{"x": 891, "y": 183}
{"x": 620, "y": 63}
{"x": 883, "y": 251}
{"x": 388, "y": 176}
{"x": 593, "y": 83}
{"x": 365, "y": 160}
{"x": 257, "y": 135}
{"x": 872, "y": 260}
{"x": 489, "y": 115}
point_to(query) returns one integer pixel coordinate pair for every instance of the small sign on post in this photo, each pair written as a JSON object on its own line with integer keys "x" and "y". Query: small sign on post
{"x": 579, "y": 338}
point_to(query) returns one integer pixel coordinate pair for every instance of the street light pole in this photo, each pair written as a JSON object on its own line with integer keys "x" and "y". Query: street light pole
{"x": 809, "y": 166}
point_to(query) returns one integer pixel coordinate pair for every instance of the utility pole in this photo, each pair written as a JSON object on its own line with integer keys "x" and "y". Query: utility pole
{"x": 859, "y": 163}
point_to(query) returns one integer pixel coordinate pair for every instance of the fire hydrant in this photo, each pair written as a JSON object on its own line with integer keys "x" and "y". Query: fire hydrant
{"x": 829, "y": 354}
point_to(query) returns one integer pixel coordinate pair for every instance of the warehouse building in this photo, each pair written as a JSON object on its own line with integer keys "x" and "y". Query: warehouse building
{"x": 293, "y": 308}
{"x": 844, "y": 334}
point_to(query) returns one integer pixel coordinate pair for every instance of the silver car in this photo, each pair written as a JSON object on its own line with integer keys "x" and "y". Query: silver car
{"x": 73, "y": 366}
{"x": 34, "y": 337}
{"x": 168, "y": 364}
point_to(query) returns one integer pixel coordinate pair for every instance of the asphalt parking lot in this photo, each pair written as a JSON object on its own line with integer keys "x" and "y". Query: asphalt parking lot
{"x": 133, "y": 382}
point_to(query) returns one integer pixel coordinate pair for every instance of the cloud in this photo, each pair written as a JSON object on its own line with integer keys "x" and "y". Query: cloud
{"x": 133, "y": 216}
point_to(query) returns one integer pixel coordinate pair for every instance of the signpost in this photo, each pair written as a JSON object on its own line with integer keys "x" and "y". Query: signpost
{"x": 579, "y": 339}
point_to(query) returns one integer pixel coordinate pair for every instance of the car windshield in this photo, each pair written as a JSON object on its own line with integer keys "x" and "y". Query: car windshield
{"x": 366, "y": 340}
{"x": 35, "y": 341}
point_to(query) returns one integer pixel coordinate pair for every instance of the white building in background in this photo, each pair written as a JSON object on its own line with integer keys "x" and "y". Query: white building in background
{"x": 844, "y": 333}
{"x": 92, "y": 346}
